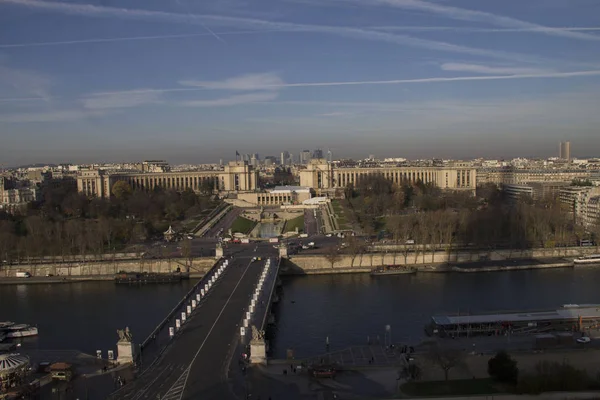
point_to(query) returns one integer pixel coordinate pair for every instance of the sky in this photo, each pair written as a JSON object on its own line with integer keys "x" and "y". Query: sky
{"x": 194, "y": 81}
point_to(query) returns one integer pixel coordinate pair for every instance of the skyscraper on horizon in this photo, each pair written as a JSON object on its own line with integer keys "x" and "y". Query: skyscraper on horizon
{"x": 564, "y": 151}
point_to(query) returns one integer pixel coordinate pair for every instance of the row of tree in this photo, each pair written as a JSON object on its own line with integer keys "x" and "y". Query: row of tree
{"x": 66, "y": 223}
{"x": 547, "y": 376}
{"x": 428, "y": 216}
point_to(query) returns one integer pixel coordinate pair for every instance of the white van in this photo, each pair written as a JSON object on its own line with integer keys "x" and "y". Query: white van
{"x": 23, "y": 275}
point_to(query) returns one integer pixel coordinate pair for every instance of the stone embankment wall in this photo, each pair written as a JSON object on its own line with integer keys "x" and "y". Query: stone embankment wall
{"x": 428, "y": 260}
{"x": 81, "y": 268}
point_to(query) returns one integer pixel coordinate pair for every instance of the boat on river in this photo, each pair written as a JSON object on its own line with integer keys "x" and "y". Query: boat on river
{"x": 12, "y": 330}
{"x": 393, "y": 270}
{"x": 23, "y": 332}
{"x": 591, "y": 259}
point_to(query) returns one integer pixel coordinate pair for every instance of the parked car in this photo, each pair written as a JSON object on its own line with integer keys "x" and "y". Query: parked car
{"x": 584, "y": 339}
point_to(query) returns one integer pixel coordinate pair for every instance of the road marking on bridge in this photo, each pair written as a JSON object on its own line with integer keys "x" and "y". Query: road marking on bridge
{"x": 176, "y": 391}
{"x": 187, "y": 373}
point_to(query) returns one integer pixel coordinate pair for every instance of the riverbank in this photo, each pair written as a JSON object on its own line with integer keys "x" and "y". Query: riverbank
{"x": 289, "y": 267}
{"x": 98, "y": 269}
{"x": 68, "y": 279}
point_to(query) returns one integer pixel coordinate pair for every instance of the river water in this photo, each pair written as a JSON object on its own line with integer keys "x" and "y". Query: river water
{"x": 85, "y": 316}
{"x": 347, "y": 308}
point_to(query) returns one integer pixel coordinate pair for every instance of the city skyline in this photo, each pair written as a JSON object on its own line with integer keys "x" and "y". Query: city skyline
{"x": 192, "y": 83}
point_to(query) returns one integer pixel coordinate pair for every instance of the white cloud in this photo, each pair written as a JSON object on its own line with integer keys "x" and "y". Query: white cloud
{"x": 233, "y": 100}
{"x": 251, "y": 23}
{"x": 463, "y": 14}
{"x": 271, "y": 84}
{"x": 121, "y": 99}
{"x": 265, "y": 81}
{"x": 485, "y": 69}
{"x": 477, "y": 30}
{"x": 49, "y": 116}
{"x": 334, "y": 114}
{"x": 24, "y": 83}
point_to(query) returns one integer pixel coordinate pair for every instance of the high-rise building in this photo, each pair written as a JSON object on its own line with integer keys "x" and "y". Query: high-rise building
{"x": 564, "y": 150}
{"x": 318, "y": 153}
{"x": 304, "y": 156}
{"x": 284, "y": 157}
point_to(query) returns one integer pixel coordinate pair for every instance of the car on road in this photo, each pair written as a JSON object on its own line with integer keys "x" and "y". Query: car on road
{"x": 584, "y": 339}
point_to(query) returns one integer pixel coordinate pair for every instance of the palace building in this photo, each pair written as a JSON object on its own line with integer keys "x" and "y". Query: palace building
{"x": 319, "y": 174}
{"x": 237, "y": 176}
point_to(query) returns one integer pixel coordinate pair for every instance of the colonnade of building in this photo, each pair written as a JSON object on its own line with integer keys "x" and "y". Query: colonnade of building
{"x": 236, "y": 176}
{"x": 322, "y": 175}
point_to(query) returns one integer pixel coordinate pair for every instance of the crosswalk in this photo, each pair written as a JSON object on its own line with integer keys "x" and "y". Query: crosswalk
{"x": 176, "y": 391}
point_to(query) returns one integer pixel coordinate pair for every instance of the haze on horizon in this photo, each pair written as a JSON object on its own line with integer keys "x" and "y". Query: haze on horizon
{"x": 192, "y": 83}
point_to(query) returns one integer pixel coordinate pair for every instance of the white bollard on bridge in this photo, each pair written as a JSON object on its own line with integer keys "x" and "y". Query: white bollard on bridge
{"x": 253, "y": 303}
{"x": 246, "y": 322}
{"x": 242, "y": 331}
{"x": 183, "y": 317}
{"x": 177, "y": 324}
{"x": 248, "y": 315}
{"x": 171, "y": 332}
{"x": 198, "y": 297}
{"x": 201, "y": 293}
{"x": 189, "y": 310}
{"x": 205, "y": 288}
{"x": 194, "y": 304}
{"x": 251, "y": 308}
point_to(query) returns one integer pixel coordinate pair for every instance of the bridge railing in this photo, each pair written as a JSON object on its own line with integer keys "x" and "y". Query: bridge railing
{"x": 178, "y": 306}
{"x": 270, "y": 292}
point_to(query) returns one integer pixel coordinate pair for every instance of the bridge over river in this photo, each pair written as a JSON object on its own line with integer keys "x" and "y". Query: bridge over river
{"x": 195, "y": 363}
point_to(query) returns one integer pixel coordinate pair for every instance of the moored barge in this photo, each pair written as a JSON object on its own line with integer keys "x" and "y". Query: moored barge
{"x": 393, "y": 270}
{"x": 569, "y": 317}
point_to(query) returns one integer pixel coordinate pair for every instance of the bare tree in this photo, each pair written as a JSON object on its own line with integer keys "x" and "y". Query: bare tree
{"x": 445, "y": 358}
{"x": 332, "y": 254}
{"x": 356, "y": 247}
{"x": 186, "y": 252}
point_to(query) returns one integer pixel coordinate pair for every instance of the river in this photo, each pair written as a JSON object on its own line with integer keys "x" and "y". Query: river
{"x": 347, "y": 308}
{"x": 85, "y": 316}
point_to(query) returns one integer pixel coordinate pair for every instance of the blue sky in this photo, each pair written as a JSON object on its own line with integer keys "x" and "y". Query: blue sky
{"x": 193, "y": 81}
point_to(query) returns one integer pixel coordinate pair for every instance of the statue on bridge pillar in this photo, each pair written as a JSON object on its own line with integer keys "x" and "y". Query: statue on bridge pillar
{"x": 283, "y": 250}
{"x": 126, "y": 349}
{"x": 258, "y": 347}
{"x": 219, "y": 250}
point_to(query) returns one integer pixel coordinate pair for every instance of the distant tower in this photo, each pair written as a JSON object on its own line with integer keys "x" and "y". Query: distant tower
{"x": 564, "y": 151}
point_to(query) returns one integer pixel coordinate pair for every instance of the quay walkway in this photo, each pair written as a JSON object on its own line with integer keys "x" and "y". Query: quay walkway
{"x": 195, "y": 363}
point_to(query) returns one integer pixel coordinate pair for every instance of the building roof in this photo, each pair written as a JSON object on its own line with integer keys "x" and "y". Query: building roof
{"x": 10, "y": 362}
{"x": 286, "y": 189}
{"x": 570, "y": 311}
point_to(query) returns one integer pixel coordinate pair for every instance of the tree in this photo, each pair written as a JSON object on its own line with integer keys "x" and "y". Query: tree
{"x": 411, "y": 371}
{"x": 332, "y": 254}
{"x": 503, "y": 368}
{"x": 445, "y": 358}
{"x": 121, "y": 190}
{"x": 355, "y": 247}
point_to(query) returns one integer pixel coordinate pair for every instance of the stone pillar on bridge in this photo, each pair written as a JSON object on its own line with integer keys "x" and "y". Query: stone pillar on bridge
{"x": 219, "y": 251}
{"x": 258, "y": 347}
{"x": 283, "y": 250}
{"x": 126, "y": 349}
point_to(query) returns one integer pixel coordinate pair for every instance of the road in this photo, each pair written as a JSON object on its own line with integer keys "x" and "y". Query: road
{"x": 194, "y": 365}
{"x": 224, "y": 223}
{"x": 311, "y": 224}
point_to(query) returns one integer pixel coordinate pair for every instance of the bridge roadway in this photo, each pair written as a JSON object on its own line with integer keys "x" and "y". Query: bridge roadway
{"x": 195, "y": 363}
